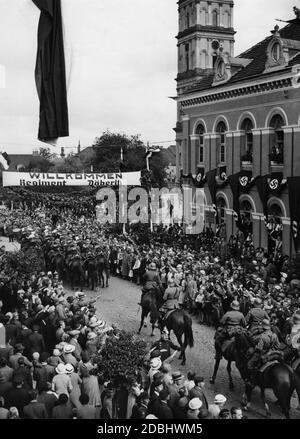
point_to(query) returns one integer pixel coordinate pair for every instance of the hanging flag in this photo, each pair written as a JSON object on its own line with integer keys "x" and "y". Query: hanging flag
{"x": 4, "y": 160}
{"x": 262, "y": 187}
{"x": 50, "y": 73}
{"x": 276, "y": 183}
{"x": 294, "y": 199}
{"x": 199, "y": 178}
{"x": 234, "y": 182}
{"x": 211, "y": 182}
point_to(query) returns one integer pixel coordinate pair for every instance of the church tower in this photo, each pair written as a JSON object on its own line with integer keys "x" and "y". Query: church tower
{"x": 204, "y": 27}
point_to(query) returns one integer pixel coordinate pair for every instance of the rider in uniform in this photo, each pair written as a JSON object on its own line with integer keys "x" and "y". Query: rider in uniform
{"x": 255, "y": 317}
{"x": 170, "y": 298}
{"x": 267, "y": 343}
{"x": 231, "y": 322}
{"x": 151, "y": 281}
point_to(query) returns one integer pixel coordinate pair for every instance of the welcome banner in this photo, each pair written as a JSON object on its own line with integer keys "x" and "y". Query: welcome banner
{"x": 31, "y": 179}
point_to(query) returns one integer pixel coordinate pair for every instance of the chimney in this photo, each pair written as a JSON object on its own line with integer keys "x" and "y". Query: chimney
{"x": 78, "y": 148}
{"x": 62, "y": 153}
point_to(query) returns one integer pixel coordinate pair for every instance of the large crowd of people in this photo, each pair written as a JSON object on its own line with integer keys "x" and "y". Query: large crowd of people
{"x": 49, "y": 341}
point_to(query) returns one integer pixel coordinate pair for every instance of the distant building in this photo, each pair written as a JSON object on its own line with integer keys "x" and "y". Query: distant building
{"x": 238, "y": 130}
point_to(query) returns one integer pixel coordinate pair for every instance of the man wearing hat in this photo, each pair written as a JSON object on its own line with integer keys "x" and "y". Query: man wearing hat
{"x": 19, "y": 351}
{"x": 151, "y": 282}
{"x": 197, "y": 391}
{"x": 267, "y": 343}
{"x": 256, "y": 315}
{"x": 164, "y": 345}
{"x": 170, "y": 299}
{"x": 194, "y": 407}
{"x": 230, "y": 323}
{"x": 174, "y": 388}
{"x": 161, "y": 408}
{"x": 215, "y": 408}
{"x": 68, "y": 356}
{"x": 36, "y": 341}
{"x": 74, "y": 341}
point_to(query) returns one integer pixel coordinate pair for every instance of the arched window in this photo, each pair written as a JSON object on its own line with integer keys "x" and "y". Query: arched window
{"x": 221, "y": 206}
{"x": 215, "y": 18}
{"x": 246, "y": 215}
{"x": 203, "y": 17}
{"x": 247, "y": 127}
{"x": 274, "y": 227}
{"x": 221, "y": 130}
{"x": 227, "y": 19}
{"x": 200, "y": 131}
{"x": 277, "y": 139}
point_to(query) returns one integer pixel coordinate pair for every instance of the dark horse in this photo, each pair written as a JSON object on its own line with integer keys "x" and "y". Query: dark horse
{"x": 181, "y": 324}
{"x": 58, "y": 264}
{"x": 103, "y": 269}
{"x": 149, "y": 306}
{"x": 278, "y": 376}
{"x": 90, "y": 266}
{"x": 76, "y": 273}
{"x": 178, "y": 322}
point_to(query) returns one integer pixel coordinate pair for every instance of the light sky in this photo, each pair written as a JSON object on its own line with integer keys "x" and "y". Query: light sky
{"x": 123, "y": 59}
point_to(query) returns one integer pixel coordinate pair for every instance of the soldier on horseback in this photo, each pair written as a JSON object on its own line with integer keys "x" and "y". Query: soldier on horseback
{"x": 231, "y": 322}
{"x": 152, "y": 282}
{"x": 267, "y": 344}
{"x": 170, "y": 299}
{"x": 255, "y": 317}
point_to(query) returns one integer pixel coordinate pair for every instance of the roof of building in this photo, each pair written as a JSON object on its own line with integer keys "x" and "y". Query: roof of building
{"x": 16, "y": 160}
{"x": 169, "y": 155}
{"x": 258, "y": 56}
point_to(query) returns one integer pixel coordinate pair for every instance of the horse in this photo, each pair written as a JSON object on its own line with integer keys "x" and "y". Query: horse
{"x": 90, "y": 266}
{"x": 278, "y": 376}
{"x": 181, "y": 324}
{"x": 58, "y": 264}
{"x": 103, "y": 269}
{"x": 76, "y": 273}
{"x": 178, "y": 321}
{"x": 149, "y": 306}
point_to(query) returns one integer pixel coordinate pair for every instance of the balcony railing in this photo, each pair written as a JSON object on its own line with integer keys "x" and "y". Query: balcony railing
{"x": 276, "y": 159}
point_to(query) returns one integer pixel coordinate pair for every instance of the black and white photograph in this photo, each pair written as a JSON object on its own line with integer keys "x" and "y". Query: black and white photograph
{"x": 149, "y": 214}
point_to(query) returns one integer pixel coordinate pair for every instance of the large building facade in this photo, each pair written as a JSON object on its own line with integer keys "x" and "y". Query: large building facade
{"x": 238, "y": 121}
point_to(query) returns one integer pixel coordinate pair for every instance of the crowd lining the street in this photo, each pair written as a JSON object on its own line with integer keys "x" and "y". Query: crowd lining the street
{"x": 50, "y": 342}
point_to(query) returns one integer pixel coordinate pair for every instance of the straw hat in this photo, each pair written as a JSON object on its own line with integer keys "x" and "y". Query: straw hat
{"x": 69, "y": 368}
{"x": 195, "y": 404}
{"x": 60, "y": 369}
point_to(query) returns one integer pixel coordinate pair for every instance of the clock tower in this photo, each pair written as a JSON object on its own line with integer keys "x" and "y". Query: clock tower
{"x": 204, "y": 28}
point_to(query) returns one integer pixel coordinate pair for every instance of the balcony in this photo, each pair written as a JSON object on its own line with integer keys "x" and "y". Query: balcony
{"x": 247, "y": 160}
{"x": 276, "y": 161}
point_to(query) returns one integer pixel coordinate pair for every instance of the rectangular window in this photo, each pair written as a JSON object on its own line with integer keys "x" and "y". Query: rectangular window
{"x": 222, "y": 148}
{"x": 187, "y": 57}
{"x": 200, "y": 149}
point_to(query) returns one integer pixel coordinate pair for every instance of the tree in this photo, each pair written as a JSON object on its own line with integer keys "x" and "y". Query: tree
{"x": 70, "y": 164}
{"x": 121, "y": 358}
{"x": 46, "y": 153}
{"x": 108, "y": 156}
{"x": 20, "y": 265}
{"x": 39, "y": 164}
